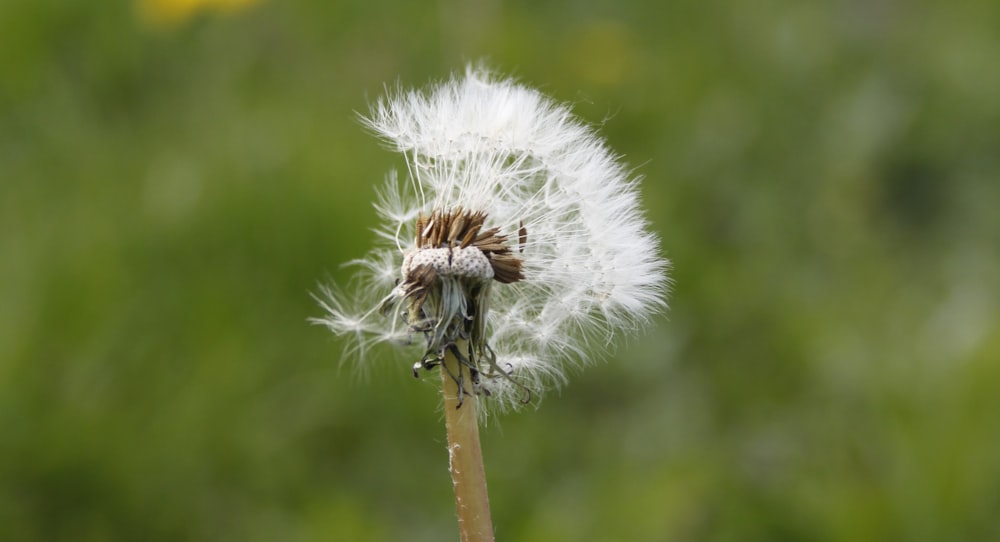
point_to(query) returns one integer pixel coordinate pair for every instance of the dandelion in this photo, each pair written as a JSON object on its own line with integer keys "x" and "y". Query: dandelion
{"x": 515, "y": 248}
{"x": 518, "y": 229}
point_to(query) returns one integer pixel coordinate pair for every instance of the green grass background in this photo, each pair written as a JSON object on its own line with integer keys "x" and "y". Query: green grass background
{"x": 823, "y": 175}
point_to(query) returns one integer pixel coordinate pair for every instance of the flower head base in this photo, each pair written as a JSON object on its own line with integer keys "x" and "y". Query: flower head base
{"x": 453, "y": 244}
{"x": 505, "y": 187}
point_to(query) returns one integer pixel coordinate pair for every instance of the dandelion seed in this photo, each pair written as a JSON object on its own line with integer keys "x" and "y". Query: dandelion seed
{"x": 518, "y": 232}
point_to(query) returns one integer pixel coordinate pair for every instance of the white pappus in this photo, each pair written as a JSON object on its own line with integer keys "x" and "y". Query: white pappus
{"x": 518, "y": 231}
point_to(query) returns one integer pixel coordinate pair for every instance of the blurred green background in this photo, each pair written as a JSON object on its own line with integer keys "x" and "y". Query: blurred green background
{"x": 175, "y": 181}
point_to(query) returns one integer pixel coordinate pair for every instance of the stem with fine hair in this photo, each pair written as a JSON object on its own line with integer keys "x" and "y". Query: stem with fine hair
{"x": 464, "y": 452}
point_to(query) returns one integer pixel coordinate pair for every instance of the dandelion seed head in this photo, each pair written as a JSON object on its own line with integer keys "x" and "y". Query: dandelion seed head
{"x": 515, "y": 218}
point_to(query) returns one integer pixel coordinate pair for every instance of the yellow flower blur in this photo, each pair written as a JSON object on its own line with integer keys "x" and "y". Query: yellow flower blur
{"x": 172, "y": 12}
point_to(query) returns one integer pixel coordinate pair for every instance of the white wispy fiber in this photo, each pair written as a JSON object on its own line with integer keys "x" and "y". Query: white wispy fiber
{"x": 591, "y": 267}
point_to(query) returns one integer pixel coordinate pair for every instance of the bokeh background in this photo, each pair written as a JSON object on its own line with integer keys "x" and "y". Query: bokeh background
{"x": 176, "y": 177}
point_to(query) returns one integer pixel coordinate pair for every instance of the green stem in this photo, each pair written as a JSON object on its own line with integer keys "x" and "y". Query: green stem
{"x": 464, "y": 451}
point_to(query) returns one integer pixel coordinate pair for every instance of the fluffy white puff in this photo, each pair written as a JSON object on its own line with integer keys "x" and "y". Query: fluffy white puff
{"x": 591, "y": 266}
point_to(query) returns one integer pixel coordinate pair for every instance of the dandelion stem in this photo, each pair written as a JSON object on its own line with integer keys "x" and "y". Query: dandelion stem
{"x": 464, "y": 451}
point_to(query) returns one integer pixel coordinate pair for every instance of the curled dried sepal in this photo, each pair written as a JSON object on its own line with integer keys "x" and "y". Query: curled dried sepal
{"x": 446, "y": 286}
